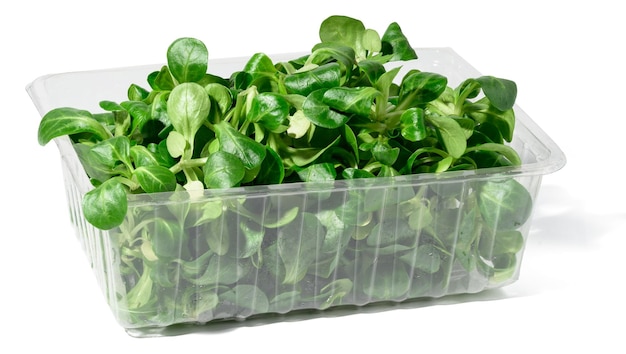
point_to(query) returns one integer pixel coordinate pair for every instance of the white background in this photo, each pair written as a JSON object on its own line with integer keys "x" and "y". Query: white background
{"x": 567, "y": 58}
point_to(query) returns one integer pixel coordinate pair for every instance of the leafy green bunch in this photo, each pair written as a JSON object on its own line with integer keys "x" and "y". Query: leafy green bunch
{"x": 343, "y": 111}
{"x": 336, "y": 113}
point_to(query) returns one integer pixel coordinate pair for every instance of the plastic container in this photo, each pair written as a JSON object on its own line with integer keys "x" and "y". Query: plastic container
{"x": 255, "y": 251}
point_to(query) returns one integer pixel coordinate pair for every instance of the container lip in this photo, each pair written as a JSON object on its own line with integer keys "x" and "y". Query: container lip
{"x": 554, "y": 158}
{"x": 549, "y": 157}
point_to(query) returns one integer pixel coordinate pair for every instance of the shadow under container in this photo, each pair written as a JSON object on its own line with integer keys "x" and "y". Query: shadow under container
{"x": 195, "y": 258}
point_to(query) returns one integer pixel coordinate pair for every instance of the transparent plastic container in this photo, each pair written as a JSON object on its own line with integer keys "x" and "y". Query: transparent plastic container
{"x": 183, "y": 258}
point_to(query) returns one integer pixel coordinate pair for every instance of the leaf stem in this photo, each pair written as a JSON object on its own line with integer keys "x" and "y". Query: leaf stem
{"x": 186, "y": 164}
{"x": 132, "y": 185}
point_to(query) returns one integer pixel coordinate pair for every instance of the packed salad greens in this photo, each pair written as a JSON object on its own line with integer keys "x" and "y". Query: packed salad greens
{"x": 335, "y": 114}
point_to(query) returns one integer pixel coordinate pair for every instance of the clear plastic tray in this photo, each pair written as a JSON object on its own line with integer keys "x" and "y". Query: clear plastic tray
{"x": 254, "y": 251}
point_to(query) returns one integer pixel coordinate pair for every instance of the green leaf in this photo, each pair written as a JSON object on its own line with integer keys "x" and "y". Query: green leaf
{"x": 504, "y": 204}
{"x": 191, "y": 269}
{"x": 283, "y": 218}
{"x": 161, "y": 153}
{"x": 352, "y": 173}
{"x": 240, "y": 80}
{"x": 158, "y": 110}
{"x": 260, "y": 65}
{"x": 320, "y": 114}
{"x": 166, "y": 238}
{"x": 187, "y": 59}
{"x": 351, "y": 139}
{"x": 337, "y": 233}
{"x": 493, "y": 244}
{"x": 223, "y": 170}
{"x": 504, "y": 267}
{"x": 188, "y": 107}
{"x": 299, "y": 125}
{"x": 121, "y": 120}
{"x": 217, "y": 234}
{"x": 141, "y": 156}
{"x": 232, "y": 141}
{"x": 421, "y": 87}
{"x": 384, "y": 153}
{"x": 324, "y": 76}
{"x": 176, "y": 144}
{"x": 324, "y": 53}
{"x": 469, "y": 88}
{"x": 389, "y": 232}
{"x": 110, "y": 106}
{"x": 207, "y": 211}
{"x": 163, "y": 80}
{"x": 320, "y": 172}
{"x": 304, "y": 156}
{"x": 420, "y": 217}
{"x": 105, "y": 206}
{"x": 111, "y": 152}
{"x": 94, "y": 169}
{"x": 469, "y": 229}
{"x": 252, "y": 239}
{"x": 413, "y": 125}
{"x": 371, "y": 41}
{"x": 443, "y": 164}
{"x": 425, "y": 258}
{"x": 501, "y": 92}
{"x": 384, "y": 82}
{"x": 140, "y": 113}
{"x": 270, "y": 110}
{"x": 508, "y": 242}
{"x": 353, "y": 212}
{"x": 508, "y": 152}
{"x": 354, "y": 100}
{"x": 451, "y": 133}
{"x": 395, "y": 43}
{"x": 200, "y": 303}
{"x": 345, "y": 31}
{"x": 334, "y": 292}
{"x": 155, "y": 178}
{"x": 272, "y": 169}
{"x": 467, "y": 124}
{"x": 298, "y": 245}
{"x": 385, "y": 281}
{"x": 137, "y": 93}
{"x": 221, "y": 95}
{"x": 486, "y": 132}
{"x": 262, "y": 72}
{"x": 503, "y": 120}
{"x": 141, "y": 293}
{"x": 247, "y": 299}
{"x": 223, "y": 270}
{"x": 372, "y": 69}
{"x": 67, "y": 121}
{"x": 332, "y": 108}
